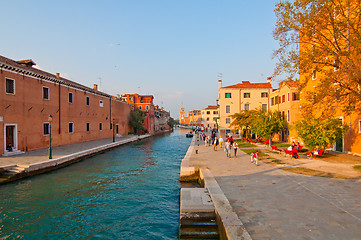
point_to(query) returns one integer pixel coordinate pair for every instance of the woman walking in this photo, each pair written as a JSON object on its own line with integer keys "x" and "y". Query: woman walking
{"x": 227, "y": 146}
{"x": 235, "y": 147}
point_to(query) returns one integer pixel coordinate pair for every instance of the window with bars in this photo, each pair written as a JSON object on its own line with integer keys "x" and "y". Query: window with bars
{"x": 10, "y": 86}
{"x": 264, "y": 94}
{"x": 71, "y": 127}
{"x": 46, "y": 128}
{"x": 45, "y": 93}
{"x": 70, "y": 97}
{"x": 228, "y": 109}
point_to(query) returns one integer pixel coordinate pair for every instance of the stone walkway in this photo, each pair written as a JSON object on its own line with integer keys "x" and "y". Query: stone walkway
{"x": 41, "y": 155}
{"x": 275, "y": 204}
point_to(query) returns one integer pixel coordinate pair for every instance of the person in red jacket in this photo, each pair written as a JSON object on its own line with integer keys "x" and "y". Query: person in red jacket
{"x": 255, "y": 157}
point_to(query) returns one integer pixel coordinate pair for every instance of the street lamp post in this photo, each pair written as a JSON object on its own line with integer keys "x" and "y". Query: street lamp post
{"x": 50, "y": 150}
{"x": 113, "y": 130}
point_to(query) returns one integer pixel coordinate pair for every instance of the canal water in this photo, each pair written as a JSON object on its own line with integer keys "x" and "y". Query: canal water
{"x": 131, "y": 192}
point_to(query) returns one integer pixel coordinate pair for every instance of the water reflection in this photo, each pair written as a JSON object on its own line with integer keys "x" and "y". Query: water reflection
{"x": 131, "y": 192}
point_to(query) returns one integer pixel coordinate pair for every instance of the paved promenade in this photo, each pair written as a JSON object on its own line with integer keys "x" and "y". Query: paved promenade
{"x": 275, "y": 204}
{"x": 41, "y": 155}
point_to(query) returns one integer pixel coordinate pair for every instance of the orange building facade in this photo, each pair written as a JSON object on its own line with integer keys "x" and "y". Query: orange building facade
{"x": 194, "y": 117}
{"x": 145, "y": 104}
{"x": 79, "y": 113}
{"x": 331, "y": 74}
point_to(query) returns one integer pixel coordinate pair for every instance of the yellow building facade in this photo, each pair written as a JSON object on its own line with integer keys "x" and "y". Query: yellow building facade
{"x": 236, "y": 98}
{"x": 210, "y": 117}
{"x": 286, "y": 100}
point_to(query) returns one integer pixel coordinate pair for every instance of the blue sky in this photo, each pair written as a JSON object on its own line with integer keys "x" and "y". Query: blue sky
{"x": 171, "y": 49}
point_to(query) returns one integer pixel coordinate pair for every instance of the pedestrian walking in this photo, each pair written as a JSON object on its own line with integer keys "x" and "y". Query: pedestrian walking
{"x": 220, "y": 140}
{"x": 255, "y": 157}
{"x": 215, "y": 144}
{"x": 235, "y": 147}
{"x": 227, "y": 147}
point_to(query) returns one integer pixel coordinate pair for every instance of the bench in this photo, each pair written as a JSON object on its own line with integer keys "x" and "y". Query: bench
{"x": 274, "y": 148}
{"x": 292, "y": 154}
{"x": 310, "y": 154}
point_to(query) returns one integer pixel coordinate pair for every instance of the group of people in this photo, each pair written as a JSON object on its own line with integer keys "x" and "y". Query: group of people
{"x": 229, "y": 145}
{"x": 294, "y": 148}
{"x": 314, "y": 152}
{"x": 254, "y": 157}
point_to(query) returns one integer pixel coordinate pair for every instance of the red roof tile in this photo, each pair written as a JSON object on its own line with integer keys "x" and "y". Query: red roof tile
{"x": 247, "y": 84}
{"x": 211, "y": 108}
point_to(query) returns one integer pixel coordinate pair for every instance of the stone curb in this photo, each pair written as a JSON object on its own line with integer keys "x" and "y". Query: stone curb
{"x": 231, "y": 225}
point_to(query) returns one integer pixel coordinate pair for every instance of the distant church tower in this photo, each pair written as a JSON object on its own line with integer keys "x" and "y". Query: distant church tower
{"x": 182, "y": 115}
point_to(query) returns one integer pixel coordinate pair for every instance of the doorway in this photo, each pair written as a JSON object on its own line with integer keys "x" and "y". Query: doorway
{"x": 11, "y": 136}
{"x": 339, "y": 142}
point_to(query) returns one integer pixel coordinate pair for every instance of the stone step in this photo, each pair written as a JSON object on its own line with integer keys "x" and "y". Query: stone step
{"x": 13, "y": 153}
{"x": 187, "y": 223}
{"x": 212, "y": 225}
{"x": 194, "y": 233}
{"x": 198, "y": 216}
{"x": 16, "y": 170}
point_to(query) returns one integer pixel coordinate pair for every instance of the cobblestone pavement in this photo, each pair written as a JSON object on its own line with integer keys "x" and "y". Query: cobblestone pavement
{"x": 60, "y": 151}
{"x": 275, "y": 204}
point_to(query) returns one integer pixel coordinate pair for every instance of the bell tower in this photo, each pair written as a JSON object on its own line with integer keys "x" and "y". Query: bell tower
{"x": 182, "y": 114}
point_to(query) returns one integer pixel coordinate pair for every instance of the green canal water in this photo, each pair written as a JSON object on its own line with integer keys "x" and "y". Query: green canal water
{"x": 131, "y": 192}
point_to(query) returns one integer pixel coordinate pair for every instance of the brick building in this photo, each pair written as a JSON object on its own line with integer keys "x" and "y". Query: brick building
{"x": 79, "y": 113}
{"x": 144, "y": 103}
{"x": 161, "y": 119}
{"x": 194, "y": 117}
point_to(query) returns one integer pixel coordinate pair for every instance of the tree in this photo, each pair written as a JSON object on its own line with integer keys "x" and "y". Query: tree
{"x": 320, "y": 131}
{"x": 243, "y": 120}
{"x": 171, "y": 122}
{"x": 264, "y": 124}
{"x": 267, "y": 124}
{"x": 321, "y": 39}
{"x": 135, "y": 120}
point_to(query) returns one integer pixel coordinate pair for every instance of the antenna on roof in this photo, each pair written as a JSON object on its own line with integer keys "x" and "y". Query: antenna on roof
{"x": 100, "y": 83}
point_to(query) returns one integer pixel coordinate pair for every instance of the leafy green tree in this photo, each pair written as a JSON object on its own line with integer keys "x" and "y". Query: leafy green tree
{"x": 267, "y": 124}
{"x": 243, "y": 120}
{"x": 264, "y": 124}
{"x": 321, "y": 39}
{"x": 171, "y": 122}
{"x": 135, "y": 120}
{"x": 320, "y": 131}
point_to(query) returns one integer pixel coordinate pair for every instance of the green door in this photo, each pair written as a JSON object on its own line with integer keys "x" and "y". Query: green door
{"x": 339, "y": 145}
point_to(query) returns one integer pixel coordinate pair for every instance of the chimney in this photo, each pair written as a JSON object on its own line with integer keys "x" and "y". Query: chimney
{"x": 219, "y": 84}
{"x": 118, "y": 96}
{"x": 269, "y": 79}
{"x": 95, "y": 87}
{"x": 57, "y": 75}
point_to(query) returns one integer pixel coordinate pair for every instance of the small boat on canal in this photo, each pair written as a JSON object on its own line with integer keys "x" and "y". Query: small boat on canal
{"x": 189, "y": 135}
